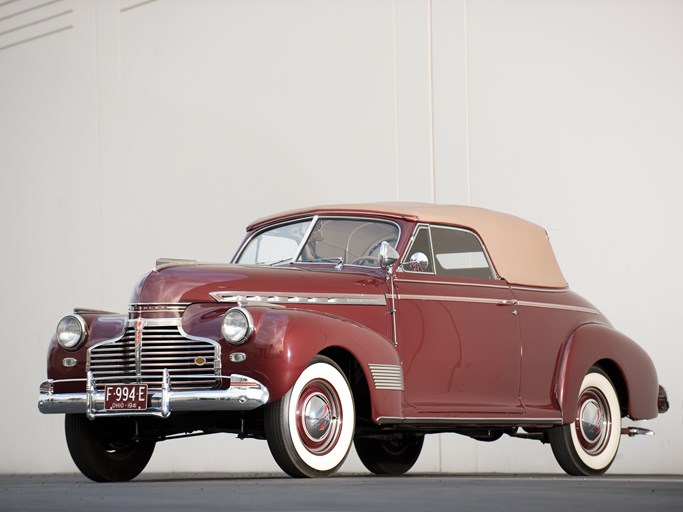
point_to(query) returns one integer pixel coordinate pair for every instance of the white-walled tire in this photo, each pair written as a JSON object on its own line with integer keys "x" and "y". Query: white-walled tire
{"x": 588, "y": 445}
{"x": 310, "y": 429}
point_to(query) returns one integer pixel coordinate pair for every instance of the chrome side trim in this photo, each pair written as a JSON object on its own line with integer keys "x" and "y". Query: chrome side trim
{"x": 565, "y": 307}
{"x": 299, "y": 298}
{"x": 447, "y": 298}
{"x": 536, "y": 289}
{"x": 387, "y": 420}
{"x": 514, "y": 302}
{"x": 387, "y": 376}
{"x": 244, "y": 394}
{"x": 476, "y": 285}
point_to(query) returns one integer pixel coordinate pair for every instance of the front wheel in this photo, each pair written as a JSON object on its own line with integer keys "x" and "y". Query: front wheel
{"x": 588, "y": 445}
{"x": 106, "y": 450}
{"x": 310, "y": 429}
{"x": 392, "y": 454}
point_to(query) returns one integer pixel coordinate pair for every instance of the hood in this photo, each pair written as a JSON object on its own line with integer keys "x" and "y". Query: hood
{"x": 194, "y": 282}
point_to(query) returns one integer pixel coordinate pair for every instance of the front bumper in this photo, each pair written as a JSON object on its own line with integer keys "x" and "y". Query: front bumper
{"x": 244, "y": 394}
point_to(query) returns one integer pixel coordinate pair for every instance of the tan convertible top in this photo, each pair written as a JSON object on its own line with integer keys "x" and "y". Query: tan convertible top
{"x": 520, "y": 250}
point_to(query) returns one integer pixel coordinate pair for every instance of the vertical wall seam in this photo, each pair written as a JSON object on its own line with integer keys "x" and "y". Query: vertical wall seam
{"x": 396, "y": 153}
{"x": 98, "y": 139}
{"x": 430, "y": 71}
{"x": 468, "y": 168}
{"x": 432, "y": 163}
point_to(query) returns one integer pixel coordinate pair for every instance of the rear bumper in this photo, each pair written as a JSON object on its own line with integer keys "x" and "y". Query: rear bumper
{"x": 662, "y": 401}
{"x": 244, "y": 394}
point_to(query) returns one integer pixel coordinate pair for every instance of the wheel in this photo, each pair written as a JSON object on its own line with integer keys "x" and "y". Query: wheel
{"x": 106, "y": 450}
{"x": 310, "y": 429}
{"x": 589, "y": 445}
{"x": 393, "y": 454}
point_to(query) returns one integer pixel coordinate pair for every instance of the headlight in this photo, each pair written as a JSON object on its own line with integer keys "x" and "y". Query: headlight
{"x": 71, "y": 332}
{"x": 237, "y": 326}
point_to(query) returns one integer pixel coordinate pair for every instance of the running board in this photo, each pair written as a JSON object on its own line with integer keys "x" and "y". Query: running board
{"x": 636, "y": 431}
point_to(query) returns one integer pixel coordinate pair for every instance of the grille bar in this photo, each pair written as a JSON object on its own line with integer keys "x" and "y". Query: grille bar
{"x": 387, "y": 376}
{"x": 192, "y": 363}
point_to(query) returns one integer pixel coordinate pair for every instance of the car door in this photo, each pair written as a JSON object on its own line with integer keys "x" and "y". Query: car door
{"x": 457, "y": 328}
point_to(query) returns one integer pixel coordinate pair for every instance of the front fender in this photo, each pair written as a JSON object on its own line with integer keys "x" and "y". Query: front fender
{"x": 101, "y": 326}
{"x": 286, "y": 340}
{"x": 598, "y": 344}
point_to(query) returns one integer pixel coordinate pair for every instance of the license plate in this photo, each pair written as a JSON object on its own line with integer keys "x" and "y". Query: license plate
{"x": 125, "y": 397}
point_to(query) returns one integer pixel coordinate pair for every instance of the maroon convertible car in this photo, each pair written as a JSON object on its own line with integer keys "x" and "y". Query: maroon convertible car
{"x": 369, "y": 324}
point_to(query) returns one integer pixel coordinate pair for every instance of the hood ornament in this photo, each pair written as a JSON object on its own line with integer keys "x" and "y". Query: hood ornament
{"x": 171, "y": 262}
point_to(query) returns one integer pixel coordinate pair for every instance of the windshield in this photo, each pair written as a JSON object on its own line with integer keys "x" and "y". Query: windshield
{"x": 321, "y": 240}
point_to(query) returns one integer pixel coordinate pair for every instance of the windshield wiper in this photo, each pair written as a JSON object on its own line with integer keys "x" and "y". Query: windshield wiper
{"x": 335, "y": 259}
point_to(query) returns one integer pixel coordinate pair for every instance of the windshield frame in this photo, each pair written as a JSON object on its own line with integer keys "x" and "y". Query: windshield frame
{"x": 312, "y": 223}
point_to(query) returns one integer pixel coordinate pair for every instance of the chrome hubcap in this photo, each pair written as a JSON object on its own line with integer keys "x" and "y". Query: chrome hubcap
{"x": 593, "y": 422}
{"x": 317, "y": 417}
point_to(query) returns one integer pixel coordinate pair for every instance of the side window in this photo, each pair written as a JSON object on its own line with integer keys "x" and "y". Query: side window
{"x": 459, "y": 253}
{"x": 419, "y": 257}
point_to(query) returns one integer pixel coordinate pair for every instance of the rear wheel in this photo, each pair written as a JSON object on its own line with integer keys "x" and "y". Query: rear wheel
{"x": 310, "y": 429}
{"x": 589, "y": 444}
{"x": 392, "y": 454}
{"x": 106, "y": 450}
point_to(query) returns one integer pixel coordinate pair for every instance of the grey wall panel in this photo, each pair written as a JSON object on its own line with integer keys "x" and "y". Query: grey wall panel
{"x": 138, "y": 129}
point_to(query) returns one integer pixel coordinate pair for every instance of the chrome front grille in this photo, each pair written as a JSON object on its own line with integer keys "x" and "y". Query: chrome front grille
{"x": 147, "y": 348}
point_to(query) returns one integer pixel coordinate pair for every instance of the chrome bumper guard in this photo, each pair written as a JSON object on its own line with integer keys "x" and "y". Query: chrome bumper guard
{"x": 244, "y": 394}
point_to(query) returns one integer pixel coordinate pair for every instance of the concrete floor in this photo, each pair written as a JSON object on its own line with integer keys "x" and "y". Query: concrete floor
{"x": 412, "y": 493}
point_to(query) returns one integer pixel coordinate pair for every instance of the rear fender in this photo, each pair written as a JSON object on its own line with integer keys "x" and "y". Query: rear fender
{"x": 628, "y": 365}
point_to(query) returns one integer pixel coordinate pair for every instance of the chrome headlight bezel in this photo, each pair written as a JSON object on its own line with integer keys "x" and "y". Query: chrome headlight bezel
{"x": 71, "y": 332}
{"x": 237, "y": 326}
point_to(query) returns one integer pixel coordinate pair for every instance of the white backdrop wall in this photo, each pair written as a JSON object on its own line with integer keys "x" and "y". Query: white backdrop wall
{"x": 133, "y": 129}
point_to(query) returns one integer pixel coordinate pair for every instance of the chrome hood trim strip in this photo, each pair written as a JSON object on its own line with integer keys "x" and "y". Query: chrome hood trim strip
{"x": 157, "y": 307}
{"x": 346, "y": 299}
